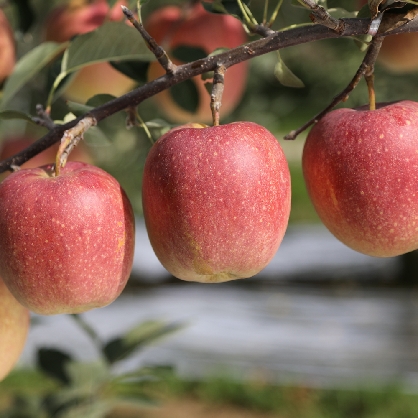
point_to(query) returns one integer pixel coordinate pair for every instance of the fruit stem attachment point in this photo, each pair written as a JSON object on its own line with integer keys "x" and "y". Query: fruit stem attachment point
{"x": 370, "y": 86}
{"x": 70, "y": 139}
{"x": 217, "y": 91}
{"x": 152, "y": 45}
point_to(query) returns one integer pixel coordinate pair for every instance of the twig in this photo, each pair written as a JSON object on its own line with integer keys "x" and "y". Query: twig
{"x": 320, "y": 16}
{"x": 156, "y": 49}
{"x": 43, "y": 118}
{"x": 217, "y": 91}
{"x": 366, "y": 67}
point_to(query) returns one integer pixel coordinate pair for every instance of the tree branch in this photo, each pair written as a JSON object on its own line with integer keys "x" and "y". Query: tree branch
{"x": 272, "y": 42}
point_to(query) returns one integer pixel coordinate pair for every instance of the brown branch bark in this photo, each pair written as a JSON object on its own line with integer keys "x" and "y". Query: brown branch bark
{"x": 273, "y": 42}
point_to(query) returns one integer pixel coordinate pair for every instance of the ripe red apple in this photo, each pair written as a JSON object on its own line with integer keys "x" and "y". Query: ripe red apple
{"x": 14, "y": 326}
{"x": 361, "y": 172}
{"x": 200, "y": 29}
{"x": 77, "y": 18}
{"x": 66, "y": 242}
{"x": 216, "y": 200}
{"x": 7, "y": 48}
{"x": 14, "y": 144}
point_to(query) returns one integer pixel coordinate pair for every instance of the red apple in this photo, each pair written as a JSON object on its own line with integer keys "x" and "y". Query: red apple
{"x": 77, "y": 18}
{"x": 14, "y": 326}
{"x": 361, "y": 172}
{"x": 7, "y": 48}
{"x": 216, "y": 200}
{"x": 66, "y": 242}
{"x": 14, "y": 144}
{"x": 200, "y": 29}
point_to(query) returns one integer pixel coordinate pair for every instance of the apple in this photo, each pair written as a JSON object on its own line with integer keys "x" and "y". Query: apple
{"x": 67, "y": 241}
{"x": 7, "y": 48}
{"x": 361, "y": 172}
{"x": 171, "y": 28}
{"x": 15, "y": 144}
{"x": 216, "y": 200}
{"x": 77, "y": 18}
{"x": 14, "y": 326}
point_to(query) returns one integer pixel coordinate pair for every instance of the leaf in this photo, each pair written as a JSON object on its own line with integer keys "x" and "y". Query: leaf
{"x": 225, "y": 7}
{"x": 186, "y": 95}
{"x": 339, "y": 13}
{"x": 53, "y": 362}
{"x": 28, "y": 66}
{"x": 186, "y": 53}
{"x": 14, "y": 114}
{"x": 113, "y": 41}
{"x": 88, "y": 409}
{"x": 143, "y": 334}
{"x": 137, "y": 70}
{"x": 285, "y": 76}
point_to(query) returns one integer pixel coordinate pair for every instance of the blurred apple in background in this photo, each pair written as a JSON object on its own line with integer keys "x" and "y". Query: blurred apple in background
{"x": 14, "y": 326}
{"x": 173, "y": 27}
{"x": 78, "y": 17}
{"x": 7, "y": 48}
{"x": 13, "y": 145}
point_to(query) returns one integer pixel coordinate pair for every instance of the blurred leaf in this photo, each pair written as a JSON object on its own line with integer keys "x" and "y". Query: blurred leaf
{"x": 226, "y": 7}
{"x": 186, "y": 53}
{"x": 53, "y": 362}
{"x": 186, "y": 95}
{"x": 113, "y": 41}
{"x": 137, "y": 70}
{"x": 78, "y": 109}
{"x": 14, "y": 114}
{"x": 25, "y": 14}
{"x": 88, "y": 409}
{"x": 139, "y": 336}
{"x": 28, "y": 66}
{"x": 285, "y": 76}
{"x": 87, "y": 376}
{"x": 339, "y": 13}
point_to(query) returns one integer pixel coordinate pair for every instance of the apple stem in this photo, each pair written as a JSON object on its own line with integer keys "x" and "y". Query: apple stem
{"x": 370, "y": 86}
{"x": 70, "y": 139}
{"x": 217, "y": 91}
{"x": 152, "y": 45}
{"x": 366, "y": 68}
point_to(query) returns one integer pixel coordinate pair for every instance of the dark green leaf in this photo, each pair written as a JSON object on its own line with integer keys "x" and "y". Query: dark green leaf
{"x": 14, "y": 114}
{"x": 186, "y": 53}
{"x": 137, "y": 70}
{"x": 186, "y": 95}
{"x": 53, "y": 362}
{"x": 28, "y": 66}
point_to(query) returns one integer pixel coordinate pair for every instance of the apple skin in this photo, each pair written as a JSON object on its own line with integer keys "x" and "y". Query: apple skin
{"x": 207, "y": 31}
{"x": 14, "y": 327}
{"x": 69, "y": 20}
{"x": 7, "y": 48}
{"x": 216, "y": 200}
{"x": 66, "y": 242}
{"x": 15, "y": 144}
{"x": 361, "y": 173}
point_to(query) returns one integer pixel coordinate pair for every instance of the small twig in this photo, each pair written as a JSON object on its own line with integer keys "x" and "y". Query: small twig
{"x": 217, "y": 91}
{"x": 156, "y": 49}
{"x": 43, "y": 118}
{"x": 366, "y": 67}
{"x": 70, "y": 139}
{"x": 320, "y": 16}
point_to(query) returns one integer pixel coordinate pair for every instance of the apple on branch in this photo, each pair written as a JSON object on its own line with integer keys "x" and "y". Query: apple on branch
{"x": 361, "y": 173}
{"x": 66, "y": 241}
{"x": 14, "y": 326}
{"x": 76, "y": 18}
{"x": 216, "y": 200}
{"x": 172, "y": 28}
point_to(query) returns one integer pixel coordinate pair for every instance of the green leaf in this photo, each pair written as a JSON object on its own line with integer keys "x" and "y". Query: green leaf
{"x": 28, "y": 66}
{"x": 113, "y": 41}
{"x": 137, "y": 70}
{"x": 143, "y": 334}
{"x": 226, "y": 7}
{"x": 88, "y": 409}
{"x": 285, "y": 76}
{"x": 53, "y": 362}
{"x": 339, "y": 13}
{"x": 186, "y": 53}
{"x": 14, "y": 114}
{"x": 186, "y": 95}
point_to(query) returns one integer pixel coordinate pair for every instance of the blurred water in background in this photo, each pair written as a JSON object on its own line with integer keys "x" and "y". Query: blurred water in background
{"x": 320, "y": 314}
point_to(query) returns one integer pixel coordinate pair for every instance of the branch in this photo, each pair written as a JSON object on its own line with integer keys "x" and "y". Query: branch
{"x": 273, "y": 42}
